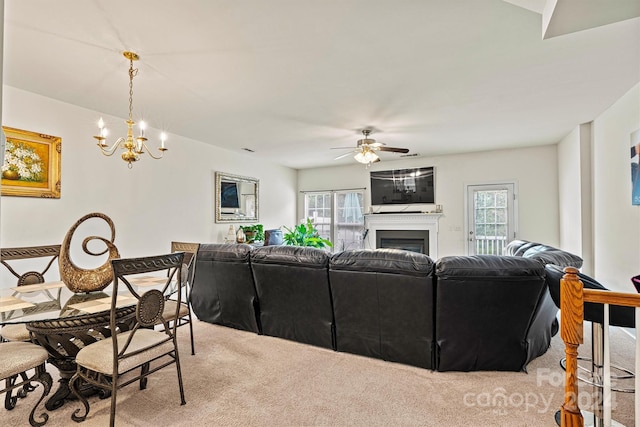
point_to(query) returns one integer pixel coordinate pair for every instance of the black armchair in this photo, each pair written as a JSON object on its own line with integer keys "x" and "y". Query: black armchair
{"x": 223, "y": 291}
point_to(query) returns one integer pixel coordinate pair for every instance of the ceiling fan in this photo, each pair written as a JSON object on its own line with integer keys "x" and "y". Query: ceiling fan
{"x": 365, "y": 151}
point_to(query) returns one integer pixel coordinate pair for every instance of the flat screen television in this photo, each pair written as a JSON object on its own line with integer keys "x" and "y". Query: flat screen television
{"x": 403, "y": 186}
{"x": 229, "y": 195}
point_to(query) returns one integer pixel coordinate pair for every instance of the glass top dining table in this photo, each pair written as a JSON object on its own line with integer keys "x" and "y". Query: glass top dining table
{"x": 63, "y": 322}
{"x": 53, "y": 300}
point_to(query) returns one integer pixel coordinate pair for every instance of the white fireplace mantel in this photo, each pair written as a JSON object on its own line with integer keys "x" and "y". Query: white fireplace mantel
{"x": 403, "y": 221}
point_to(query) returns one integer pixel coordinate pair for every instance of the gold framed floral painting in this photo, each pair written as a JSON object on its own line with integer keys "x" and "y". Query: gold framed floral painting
{"x": 31, "y": 164}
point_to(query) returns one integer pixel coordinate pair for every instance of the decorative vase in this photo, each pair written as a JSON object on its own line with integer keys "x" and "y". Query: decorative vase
{"x": 10, "y": 174}
{"x": 240, "y": 237}
{"x": 231, "y": 235}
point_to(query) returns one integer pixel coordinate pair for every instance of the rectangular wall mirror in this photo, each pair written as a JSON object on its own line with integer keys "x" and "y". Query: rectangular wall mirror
{"x": 236, "y": 198}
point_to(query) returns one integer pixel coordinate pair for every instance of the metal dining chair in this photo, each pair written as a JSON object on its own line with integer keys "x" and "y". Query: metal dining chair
{"x": 50, "y": 253}
{"x": 184, "y": 316}
{"x": 16, "y": 359}
{"x": 126, "y": 357}
{"x": 11, "y": 259}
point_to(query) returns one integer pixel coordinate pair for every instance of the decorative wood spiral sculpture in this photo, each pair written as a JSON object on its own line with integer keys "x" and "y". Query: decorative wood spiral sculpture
{"x": 79, "y": 279}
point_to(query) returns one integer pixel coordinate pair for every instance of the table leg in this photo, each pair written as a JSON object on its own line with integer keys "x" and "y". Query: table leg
{"x": 64, "y": 394}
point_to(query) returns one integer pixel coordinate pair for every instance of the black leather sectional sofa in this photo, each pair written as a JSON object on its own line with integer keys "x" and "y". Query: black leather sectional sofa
{"x": 461, "y": 313}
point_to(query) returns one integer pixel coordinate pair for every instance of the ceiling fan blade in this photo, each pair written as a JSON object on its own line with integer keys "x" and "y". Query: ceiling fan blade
{"x": 344, "y": 155}
{"x": 393, "y": 149}
{"x": 340, "y": 148}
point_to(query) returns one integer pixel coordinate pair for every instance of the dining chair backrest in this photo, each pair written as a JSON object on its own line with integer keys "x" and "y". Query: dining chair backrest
{"x": 30, "y": 277}
{"x": 188, "y": 270}
{"x": 149, "y": 303}
{"x": 190, "y": 250}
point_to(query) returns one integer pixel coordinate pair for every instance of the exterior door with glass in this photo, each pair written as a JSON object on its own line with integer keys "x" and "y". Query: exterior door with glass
{"x": 491, "y": 218}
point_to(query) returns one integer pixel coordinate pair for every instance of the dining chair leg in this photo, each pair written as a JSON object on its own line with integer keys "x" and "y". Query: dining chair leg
{"x": 112, "y": 416}
{"x": 144, "y": 371}
{"x": 10, "y": 399}
{"x": 179, "y": 371}
{"x": 193, "y": 348}
{"x": 44, "y": 378}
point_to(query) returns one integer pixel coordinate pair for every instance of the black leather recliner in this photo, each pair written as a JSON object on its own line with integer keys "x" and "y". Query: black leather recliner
{"x": 618, "y": 315}
{"x": 292, "y": 283}
{"x": 383, "y": 304}
{"x": 223, "y": 291}
{"x": 543, "y": 253}
{"x": 492, "y": 313}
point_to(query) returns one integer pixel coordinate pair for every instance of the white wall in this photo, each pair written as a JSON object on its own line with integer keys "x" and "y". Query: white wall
{"x": 151, "y": 204}
{"x": 616, "y": 233}
{"x": 534, "y": 169}
{"x": 569, "y": 192}
{"x": 575, "y": 164}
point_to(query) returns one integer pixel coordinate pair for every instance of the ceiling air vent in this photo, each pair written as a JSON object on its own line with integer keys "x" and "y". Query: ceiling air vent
{"x": 248, "y": 149}
{"x": 410, "y": 155}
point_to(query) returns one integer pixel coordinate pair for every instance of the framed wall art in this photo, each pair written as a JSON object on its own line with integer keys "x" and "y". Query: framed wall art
{"x": 635, "y": 167}
{"x": 31, "y": 164}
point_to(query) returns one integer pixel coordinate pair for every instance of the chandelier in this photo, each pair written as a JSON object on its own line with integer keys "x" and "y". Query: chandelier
{"x": 132, "y": 146}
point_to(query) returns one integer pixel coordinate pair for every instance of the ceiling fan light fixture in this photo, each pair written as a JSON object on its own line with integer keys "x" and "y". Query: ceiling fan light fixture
{"x": 366, "y": 157}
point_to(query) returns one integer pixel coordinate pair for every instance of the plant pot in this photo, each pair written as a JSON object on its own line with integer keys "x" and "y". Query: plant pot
{"x": 250, "y": 236}
{"x": 273, "y": 237}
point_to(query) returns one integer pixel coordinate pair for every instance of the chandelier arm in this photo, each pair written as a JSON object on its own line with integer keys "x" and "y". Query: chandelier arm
{"x": 110, "y": 151}
{"x": 162, "y": 150}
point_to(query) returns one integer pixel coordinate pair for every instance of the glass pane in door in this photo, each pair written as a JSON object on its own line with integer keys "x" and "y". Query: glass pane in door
{"x": 490, "y": 219}
{"x": 349, "y": 221}
{"x": 318, "y": 208}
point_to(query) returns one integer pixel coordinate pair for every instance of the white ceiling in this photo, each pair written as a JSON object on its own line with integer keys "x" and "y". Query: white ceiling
{"x": 290, "y": 79}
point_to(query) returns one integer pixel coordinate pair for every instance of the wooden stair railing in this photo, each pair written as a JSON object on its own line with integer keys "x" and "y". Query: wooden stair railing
{"x": 572, "y": 299}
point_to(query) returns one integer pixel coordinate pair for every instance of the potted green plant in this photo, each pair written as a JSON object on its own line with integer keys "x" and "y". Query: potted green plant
{"x": 305, "y": 234}
{"x": 253, "y": 233}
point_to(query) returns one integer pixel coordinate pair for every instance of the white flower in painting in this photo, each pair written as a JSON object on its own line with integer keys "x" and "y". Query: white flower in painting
{"x": 23, "y": 160}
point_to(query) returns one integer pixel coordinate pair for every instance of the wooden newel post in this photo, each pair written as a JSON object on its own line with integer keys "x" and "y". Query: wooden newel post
{"x": 571, "y": 331}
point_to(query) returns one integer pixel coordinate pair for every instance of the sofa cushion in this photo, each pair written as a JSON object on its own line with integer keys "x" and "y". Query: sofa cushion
{"x": 392, "y": 261}
{"x": 513, "y": 246}
{"x": 524, "y": 248}
{"x": 296, "y": 256}
{"x": 543, "y": 253}
{"x": 493, "y": 266}
{"x": 558, "y": 257}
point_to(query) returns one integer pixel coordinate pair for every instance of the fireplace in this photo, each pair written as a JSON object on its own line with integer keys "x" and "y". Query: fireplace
{"x": 410, "y": 231}
{"x": 409, "y": 240}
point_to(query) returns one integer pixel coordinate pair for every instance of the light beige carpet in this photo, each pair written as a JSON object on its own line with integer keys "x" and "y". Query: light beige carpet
{"x": 239, "y": 378}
